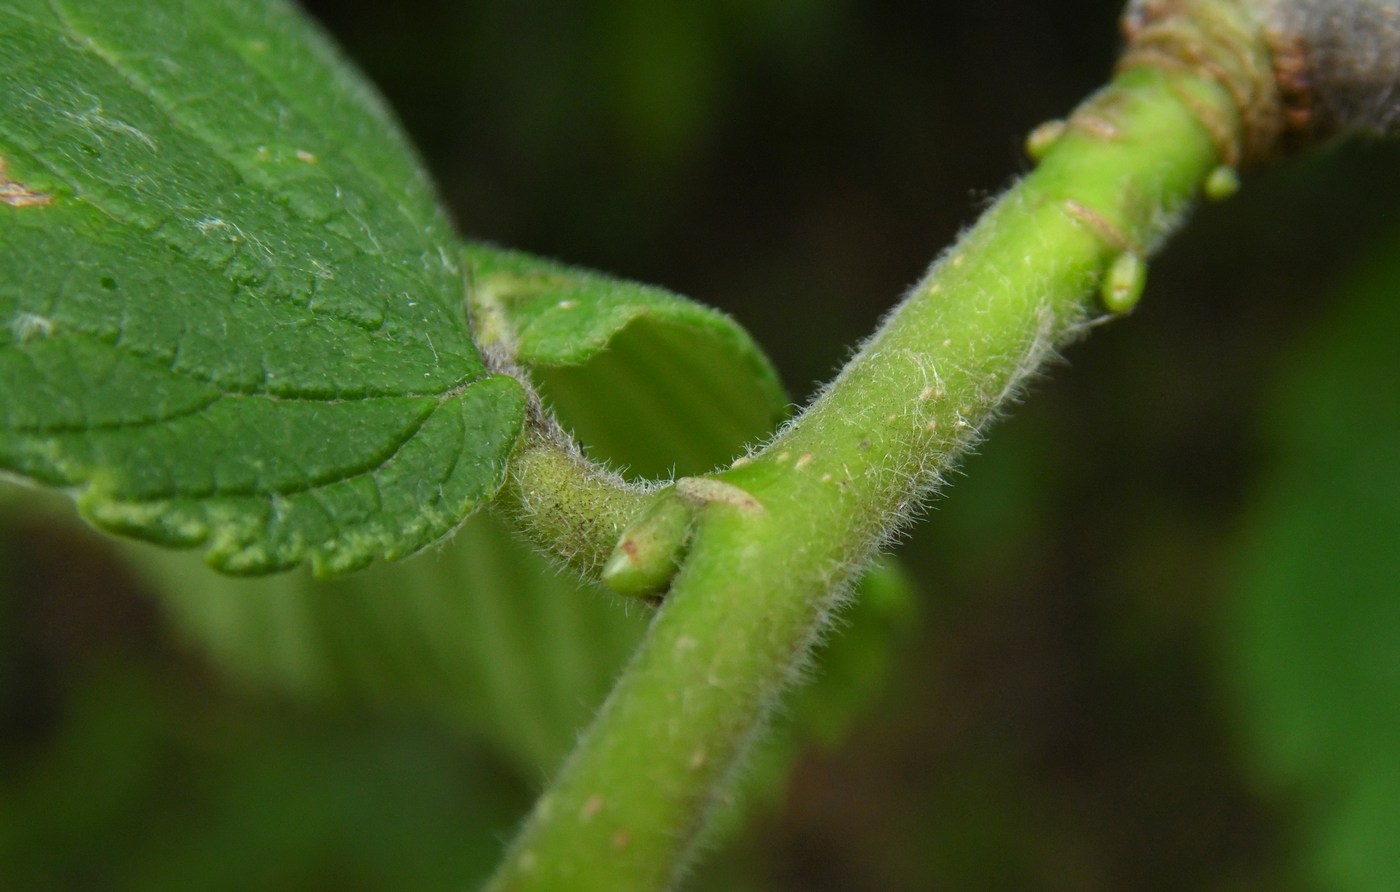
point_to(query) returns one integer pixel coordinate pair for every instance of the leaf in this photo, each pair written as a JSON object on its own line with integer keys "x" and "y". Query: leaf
{"x": 234, "y": 312}
{"x": 655, "y": 382}
{"x": 1313, "y": 633}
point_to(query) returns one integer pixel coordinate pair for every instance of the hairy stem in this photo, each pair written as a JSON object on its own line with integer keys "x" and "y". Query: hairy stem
{"x": 556, "y": 496}
{"x": 765, "y": 568}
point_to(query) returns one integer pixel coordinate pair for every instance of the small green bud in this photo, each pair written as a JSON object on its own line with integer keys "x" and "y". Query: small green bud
{"x": 1223, "y": 182}
{"x": 650, "y": 550}
{"x": 1043, "y": 138}
{"x": 1123, "y": 283}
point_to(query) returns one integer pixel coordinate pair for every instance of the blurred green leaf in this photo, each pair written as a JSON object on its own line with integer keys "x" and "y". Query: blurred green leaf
{"x": 481, "y": 633}
{"x": 1313, "y": 636}
{"x": 151, "y": 786}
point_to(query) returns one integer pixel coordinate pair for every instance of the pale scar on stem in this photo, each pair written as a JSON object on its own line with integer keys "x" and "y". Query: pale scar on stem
{"x": 18, "y": 195}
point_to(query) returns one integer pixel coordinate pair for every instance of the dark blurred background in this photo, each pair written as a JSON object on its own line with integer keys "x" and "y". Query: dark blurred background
{"x": 1157, "y": 644}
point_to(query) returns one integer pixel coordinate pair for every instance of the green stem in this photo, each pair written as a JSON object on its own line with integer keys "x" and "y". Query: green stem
{"x": 559, "y": 499}
{"x": 762, "y": 576}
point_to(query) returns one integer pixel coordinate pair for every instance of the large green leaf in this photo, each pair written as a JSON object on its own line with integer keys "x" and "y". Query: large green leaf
{"x": 1313, "y": 638}
{"x": 149, "y": 778}
{"x": 235, "y": 313}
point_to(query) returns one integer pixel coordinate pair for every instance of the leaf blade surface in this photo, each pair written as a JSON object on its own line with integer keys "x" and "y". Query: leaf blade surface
{"x": 235, "y": 310}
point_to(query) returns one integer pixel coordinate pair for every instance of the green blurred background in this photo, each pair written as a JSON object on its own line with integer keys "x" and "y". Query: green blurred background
{"x": 1157, "y": 642}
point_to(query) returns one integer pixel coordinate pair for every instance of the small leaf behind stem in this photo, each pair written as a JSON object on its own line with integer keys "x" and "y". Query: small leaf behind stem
{"x": 660, "y": 384}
